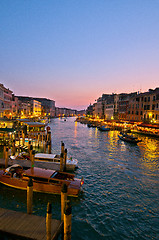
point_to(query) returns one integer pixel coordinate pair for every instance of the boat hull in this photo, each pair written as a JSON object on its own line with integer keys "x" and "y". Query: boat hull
{"x": 129, "y": 140}
{"x": 51, "y": 186}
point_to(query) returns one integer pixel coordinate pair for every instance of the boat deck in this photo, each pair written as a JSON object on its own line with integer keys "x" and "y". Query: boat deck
{"x": 24, "y": 226}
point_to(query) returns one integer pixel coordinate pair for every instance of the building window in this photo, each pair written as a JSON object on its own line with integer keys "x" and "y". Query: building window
{"x": 148, "y": 99}
{"x": 145, "y": 99}
{"x": 154, "y": 98}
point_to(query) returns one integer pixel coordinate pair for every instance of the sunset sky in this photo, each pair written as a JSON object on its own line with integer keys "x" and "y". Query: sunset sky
{"x": 73, "y": 51}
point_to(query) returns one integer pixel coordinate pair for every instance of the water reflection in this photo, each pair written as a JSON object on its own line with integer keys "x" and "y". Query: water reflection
{"x": 120, "y": 184}
{"x": 75, "y": 130}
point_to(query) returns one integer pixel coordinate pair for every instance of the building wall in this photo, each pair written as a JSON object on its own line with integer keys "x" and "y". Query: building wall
{"x": 36, "y": 108}
{"x": 5, "y": 102}
{"x": 145, "y": 107}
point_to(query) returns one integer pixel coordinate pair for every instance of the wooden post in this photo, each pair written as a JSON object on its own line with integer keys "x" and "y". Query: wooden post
{"x": 6, "y": 158}
{"x": 19, "y": 136}
{"x": 42, "y": 139}
{"x": 13, "y": 148}
{"x": 62, "y": 147}
{"x": 61, "y": 162}
{"x": 30, "y": 152}
{"x": 29, "y": 144}
{"x": 45, "y": 143}
{"x": 48, "y": 221}
{"x": 29, "y": 196}
{"x": 67, "y": 221}
{"x": 4, "y": 152}
{"x": 49, "y": 142}
{"x": 23, "y": 138}
{"x": 63, "y": 200}
{"x": 38, "y": 139}
{"x": 32, "y": 160}
{"x": 65, "y": 159}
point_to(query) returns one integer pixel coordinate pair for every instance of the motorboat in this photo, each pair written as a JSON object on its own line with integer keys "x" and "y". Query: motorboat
{"x": 44, "y": 180}
{"x": 21, "y": 156}
{"x": 71, "y": 164}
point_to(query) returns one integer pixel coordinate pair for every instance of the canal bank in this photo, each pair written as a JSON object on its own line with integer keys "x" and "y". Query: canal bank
{"x": 119, "y": 198}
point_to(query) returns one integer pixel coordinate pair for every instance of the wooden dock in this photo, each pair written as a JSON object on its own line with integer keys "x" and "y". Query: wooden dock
{"x": 25, "y": 226}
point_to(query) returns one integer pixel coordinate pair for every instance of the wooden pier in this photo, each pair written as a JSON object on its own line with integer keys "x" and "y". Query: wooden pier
{"x": 25, "y": 226}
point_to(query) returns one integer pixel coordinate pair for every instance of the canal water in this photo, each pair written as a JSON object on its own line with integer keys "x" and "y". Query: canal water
{"x": 120, "y": 197}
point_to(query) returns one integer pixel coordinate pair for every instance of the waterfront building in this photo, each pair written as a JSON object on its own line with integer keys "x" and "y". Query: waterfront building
{"x": 123, "y": 104}
{"x": 98, "y": 111}
{"x": 81, "y": 112}
{"x": 106, "y": 107}
{"x": 145, "y": 107}
{"x": 37, "y": 106}
{"x": 65, "y": 112}
{"x": 111, "y": 107}
{"x": 89, "y": 110}
{"x": 1, "y": 100}
{"x": 47, "y": 107}
{"x": 15, "y": 106}
{"x": 5, "y": 101}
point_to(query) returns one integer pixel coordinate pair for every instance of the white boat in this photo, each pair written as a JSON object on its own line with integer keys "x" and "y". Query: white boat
{"x": 71, "y": 164}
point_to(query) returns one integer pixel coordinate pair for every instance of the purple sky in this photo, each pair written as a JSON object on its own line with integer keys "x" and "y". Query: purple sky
{"x": 74, "y": 51}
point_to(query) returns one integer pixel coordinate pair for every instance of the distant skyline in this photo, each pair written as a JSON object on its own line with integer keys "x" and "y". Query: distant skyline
{"x": 75, "y": 51}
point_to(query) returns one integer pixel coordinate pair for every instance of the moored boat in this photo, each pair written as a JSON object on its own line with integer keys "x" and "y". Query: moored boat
{"x": 44, "y": 180}
{"x": 103, "y": 128}
{"x": 71, "y": 164}
{"x": 129, "y": 138}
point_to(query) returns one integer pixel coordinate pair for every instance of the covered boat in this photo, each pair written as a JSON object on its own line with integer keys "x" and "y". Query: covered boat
{"x": 44, "y": 180}
{"x": 71, "y": 164}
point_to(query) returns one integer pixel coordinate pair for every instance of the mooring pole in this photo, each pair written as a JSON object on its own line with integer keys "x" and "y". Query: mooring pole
{"x": 67, "y": 221}
{"x": 29, "y": 196}
{"x": 63, "y": 200}
{"x": 48, "y": 221}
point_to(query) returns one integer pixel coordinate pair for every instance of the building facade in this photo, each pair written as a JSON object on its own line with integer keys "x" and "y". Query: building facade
{"x": 145, "y": 107}
{"x": 5, "y": 102}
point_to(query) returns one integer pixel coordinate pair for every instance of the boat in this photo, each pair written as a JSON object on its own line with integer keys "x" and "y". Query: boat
{"x": 103, "y": 128}
{"x": 129, "y": 138}
{"x": 71, "y": 164}
{"x": 44, "y": 180}
{"x": 21, "y": 156}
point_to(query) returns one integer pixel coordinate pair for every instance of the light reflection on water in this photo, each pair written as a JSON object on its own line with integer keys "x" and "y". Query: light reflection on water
{"x": 120, "y": 193}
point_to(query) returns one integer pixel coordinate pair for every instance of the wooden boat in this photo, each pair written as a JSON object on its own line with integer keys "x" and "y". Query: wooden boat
{"x": 71, "y": 164}
{"x": 44, "y": 180}
{"x": 128, "y": 138}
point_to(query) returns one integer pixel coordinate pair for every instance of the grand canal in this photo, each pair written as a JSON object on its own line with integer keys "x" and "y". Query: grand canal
{"x": 120, "y": 197}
